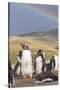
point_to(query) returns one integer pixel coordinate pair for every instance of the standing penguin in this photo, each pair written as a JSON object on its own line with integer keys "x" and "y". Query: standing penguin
{"x": 26, "y": 62}
{"x": 54, "y": 63}
{"x": 40, "y": 62}
{"x": 11, "y": 80}
{"x": 17, "y": 69}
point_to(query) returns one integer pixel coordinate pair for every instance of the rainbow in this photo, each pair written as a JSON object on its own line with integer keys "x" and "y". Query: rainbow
{"x": 41, "y": 11}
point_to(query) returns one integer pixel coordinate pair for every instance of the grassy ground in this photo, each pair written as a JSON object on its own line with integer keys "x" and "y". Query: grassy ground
{"x": 48, "y": 46}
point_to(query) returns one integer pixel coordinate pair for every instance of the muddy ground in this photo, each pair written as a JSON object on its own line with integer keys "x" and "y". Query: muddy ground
{"x": 28, "y": 83}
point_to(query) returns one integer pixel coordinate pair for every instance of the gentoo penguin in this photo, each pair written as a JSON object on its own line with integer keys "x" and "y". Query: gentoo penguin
{"x": 17, "y": 69}
{"x": 11, "y": 80}
{"x": 40, "y": 62}
{"x": 26, "y": 62}
{"x": 54, "y": 63}
{"x": 46, "y": 76}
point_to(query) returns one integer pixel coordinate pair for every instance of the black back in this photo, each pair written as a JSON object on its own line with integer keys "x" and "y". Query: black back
{"x": 52, "y": 63}
{"x": 10, "y": 74}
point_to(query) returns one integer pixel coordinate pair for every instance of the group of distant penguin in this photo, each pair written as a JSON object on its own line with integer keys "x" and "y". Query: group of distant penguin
{"x": 40, "y": 68}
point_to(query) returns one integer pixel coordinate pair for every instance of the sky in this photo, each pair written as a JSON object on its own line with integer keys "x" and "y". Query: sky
{"x": 26, "y": 18}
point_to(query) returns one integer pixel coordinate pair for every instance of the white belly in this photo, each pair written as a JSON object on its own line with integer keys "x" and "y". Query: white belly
{"x": 18, "y": 70}
{"x": 26, "y": 63}
{"x": 56, "y": 62}
{"x": 56, "y": 65}
{"x": 38, "y": 65}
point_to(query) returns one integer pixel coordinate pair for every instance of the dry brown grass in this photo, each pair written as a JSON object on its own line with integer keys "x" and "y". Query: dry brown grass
{"x": 47, "y": 46}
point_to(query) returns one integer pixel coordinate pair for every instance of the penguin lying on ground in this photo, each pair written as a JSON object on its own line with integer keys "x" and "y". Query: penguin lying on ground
{"x": 46, "y": 77}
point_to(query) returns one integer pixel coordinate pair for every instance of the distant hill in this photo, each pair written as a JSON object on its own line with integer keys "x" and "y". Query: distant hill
{"x": 51, "y": 34}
